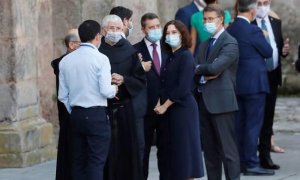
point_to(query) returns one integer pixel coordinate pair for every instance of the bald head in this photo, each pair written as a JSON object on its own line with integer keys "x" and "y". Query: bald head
{"x": 72, "y": 40}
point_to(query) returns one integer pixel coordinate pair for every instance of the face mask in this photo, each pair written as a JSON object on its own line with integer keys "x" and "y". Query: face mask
{"x": 154, "y": 35}
{"x": 113, "y": 37}
{"x": 262, "y": 11}
{"x": 173, "y": 40}
{"x": 210, "y": 27}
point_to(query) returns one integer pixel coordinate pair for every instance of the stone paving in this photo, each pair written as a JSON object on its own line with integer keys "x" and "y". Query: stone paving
{"x": 287, "y": 135}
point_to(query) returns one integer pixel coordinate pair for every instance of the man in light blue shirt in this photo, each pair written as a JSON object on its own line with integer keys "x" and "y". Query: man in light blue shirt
{"x": 84, "y": 86}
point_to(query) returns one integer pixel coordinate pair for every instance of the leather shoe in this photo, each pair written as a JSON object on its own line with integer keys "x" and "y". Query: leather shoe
{"x": 258, "y": 171}
{"x": 268, "y": 164}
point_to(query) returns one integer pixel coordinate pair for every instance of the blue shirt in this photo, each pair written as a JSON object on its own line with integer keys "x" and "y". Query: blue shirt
{"x": 85, "y": 78}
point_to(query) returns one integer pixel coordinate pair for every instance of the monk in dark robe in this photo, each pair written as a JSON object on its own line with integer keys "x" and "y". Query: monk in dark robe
{"x": 63, "y": 163}
{"x": 127, "y": 72}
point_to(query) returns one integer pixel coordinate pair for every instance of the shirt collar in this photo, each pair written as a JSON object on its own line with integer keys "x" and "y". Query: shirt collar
{"x": 148, "y": 43}
{"x": 243, "y": 17}
{"x": 88, "y": 45}
{"x": 199, "y": 7}
{"x": 216, "y": 36}
{"x": 258, "y": 20}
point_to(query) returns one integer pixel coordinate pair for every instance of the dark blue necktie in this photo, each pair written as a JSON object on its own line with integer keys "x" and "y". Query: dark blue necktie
{"x": 210, "y": 45}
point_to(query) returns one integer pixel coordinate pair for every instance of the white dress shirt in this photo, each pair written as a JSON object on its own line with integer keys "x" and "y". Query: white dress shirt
{"x": 150, "y": 49}
{"x": 271, "y": 38}
{"x": 85, "y": 78}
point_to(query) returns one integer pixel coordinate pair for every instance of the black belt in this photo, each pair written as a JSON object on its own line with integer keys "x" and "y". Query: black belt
{"x": 92, "y": 107}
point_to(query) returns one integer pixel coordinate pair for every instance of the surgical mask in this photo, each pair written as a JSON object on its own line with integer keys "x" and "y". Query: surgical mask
{"x": 113, "y": 37}
{"x": 210, "y": 27}
{"x": 154, "y": 35}
{"x": 262, "y": 11}
{"x": 173, "y": 40}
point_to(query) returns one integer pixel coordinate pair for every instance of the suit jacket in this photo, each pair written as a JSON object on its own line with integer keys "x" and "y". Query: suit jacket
{"x": 153, "y": 79}
{"x": 219, "y": 94}
{"x": 297, "y": 63}
{"x": 184, "y": 14}
{"x": 276, "y": 27}
{"x": 252, "y": 77}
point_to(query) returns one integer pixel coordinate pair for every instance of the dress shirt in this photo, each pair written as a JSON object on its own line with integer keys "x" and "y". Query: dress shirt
{"x": 200, "y": 8}
{"x": 271, "y": 38}
{"x": 150, "y": 49}
{"x": 85, "y": 78}
{"x": 216, "y": 36}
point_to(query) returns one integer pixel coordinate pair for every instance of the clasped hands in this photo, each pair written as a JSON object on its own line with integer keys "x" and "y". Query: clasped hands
{"x": 117, "y": 79}
{"x": 159, "y": 108}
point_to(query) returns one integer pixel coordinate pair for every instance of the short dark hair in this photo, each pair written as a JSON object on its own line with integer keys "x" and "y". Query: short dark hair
{"x": 185, "y": 36}
{"x": 122, "y": 12}
{"x": 147, "y": 16}
{"x": 88, "y": 30}
{"x": 245, "y": 5}
{"x": 210, "y": 1}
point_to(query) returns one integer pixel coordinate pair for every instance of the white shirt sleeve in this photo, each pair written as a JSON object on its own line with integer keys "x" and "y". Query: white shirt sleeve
{"x": 63, "y": 91}
{"x": 106, "y": 88}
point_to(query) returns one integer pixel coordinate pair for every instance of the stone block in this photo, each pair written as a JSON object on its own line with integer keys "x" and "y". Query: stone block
{"x": 27, "y": 93}
{"x": 7, "y": 59}
{"x": 8, "y": 102}
{"x": 6, "y": 20}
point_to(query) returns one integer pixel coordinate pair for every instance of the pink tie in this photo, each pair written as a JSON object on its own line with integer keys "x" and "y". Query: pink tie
{"x": 155, "y": 56}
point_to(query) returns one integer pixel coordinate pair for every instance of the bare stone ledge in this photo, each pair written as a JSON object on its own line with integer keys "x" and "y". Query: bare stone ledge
{"x": 26, "y": 142}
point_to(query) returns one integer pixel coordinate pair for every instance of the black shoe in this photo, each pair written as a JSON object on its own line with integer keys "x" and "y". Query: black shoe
{"x": 258, "y": 171}
{"x": 268, "y": 164}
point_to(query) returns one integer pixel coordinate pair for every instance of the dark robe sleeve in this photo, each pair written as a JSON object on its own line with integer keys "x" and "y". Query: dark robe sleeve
{"x": 136, "y": 81}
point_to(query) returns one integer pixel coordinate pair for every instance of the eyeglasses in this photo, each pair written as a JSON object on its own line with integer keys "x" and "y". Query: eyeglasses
{"x": 209, "y": 19}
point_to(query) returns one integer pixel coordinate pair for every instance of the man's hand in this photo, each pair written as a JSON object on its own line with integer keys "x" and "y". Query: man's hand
{"x": 117, "y": 79}
{"x": 207, "y": 78}
{"x": 286, "y": 47}
{"x": 146, "y": 65}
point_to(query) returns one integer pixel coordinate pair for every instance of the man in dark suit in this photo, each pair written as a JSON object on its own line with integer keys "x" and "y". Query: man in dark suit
{"x": 184, "y": 14}
{"x": 272, "y": 28}
{"x": 216, "y": 67}
{"x": 63, "y": 164}
{"x": 151, "y": 53}
{"x": 252, "y": 85}
{"x": 297, "y": 63}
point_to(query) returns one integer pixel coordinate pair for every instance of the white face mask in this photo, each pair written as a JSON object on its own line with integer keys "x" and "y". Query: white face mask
{"x": 262, "y": 11}
{"x": 113, "y": 37}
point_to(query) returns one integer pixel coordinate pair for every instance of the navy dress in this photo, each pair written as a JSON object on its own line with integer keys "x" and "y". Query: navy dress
{"x": 183, "y": 116}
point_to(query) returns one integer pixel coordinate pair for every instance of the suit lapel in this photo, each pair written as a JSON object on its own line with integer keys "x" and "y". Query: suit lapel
{"x": 148, "y": 56}
{"x": 216, "y": 47}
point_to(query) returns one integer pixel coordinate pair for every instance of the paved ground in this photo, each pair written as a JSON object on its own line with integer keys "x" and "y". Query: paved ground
{"x": 287, "y": 127}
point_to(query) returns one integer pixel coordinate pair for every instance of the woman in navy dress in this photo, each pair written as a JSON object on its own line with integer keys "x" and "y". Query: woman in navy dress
{"x": 178, "y": 106}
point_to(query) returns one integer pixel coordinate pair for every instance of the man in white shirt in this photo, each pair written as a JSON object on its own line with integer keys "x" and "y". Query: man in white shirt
{"x": 84, "y": 86}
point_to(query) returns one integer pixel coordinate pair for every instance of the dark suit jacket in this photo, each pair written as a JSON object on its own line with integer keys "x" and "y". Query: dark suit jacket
{"x": 276, "y": 27}
{"x": 153, "y": 80}
{"x": 297, "y": 63}
{"x": 184, "y": 14}
{"x": 219, "y": 94}
{"x": 252, "y": 77}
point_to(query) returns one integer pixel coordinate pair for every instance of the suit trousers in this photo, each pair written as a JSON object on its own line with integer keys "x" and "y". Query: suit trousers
{"x": 219, "y": 143}
{"x": 266, "y": 133}
{"x": 91, "y": 139}
{"x": 155, "y": 123}
{"x": 248, "y": 126}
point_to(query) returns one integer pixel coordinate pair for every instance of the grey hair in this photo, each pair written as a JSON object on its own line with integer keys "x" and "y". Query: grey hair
{"x": 110, "y": 18}
{"x": 69, "y": 38}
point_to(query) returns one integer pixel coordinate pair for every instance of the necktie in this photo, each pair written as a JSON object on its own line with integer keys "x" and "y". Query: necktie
{"x": 210, "y": 45}
{"x": 269, "y": 61}
{"x": 155, "y": 58}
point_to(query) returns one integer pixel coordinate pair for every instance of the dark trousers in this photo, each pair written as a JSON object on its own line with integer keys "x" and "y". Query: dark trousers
{"x": 266, "y": 133}
{"x": 155, "y": 123}
{"x": 248, "y": 126}
{"x": 91, "y": 139}
{"x": 63, "y": 163}
{"x": 219, "y": 144}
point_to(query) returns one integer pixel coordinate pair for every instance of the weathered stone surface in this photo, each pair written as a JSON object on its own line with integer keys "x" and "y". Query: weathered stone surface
{"x": 8, "y": 102}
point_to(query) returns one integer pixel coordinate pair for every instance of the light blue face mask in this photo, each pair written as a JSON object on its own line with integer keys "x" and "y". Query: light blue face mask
{"x": 210, "y": 27}
{"x": 154, "y": 35}
{"x": 113, "y": 37}
{"x": 173, "y": 40}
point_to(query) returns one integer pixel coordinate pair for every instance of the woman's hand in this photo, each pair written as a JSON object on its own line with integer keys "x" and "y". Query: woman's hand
{"x": 160, "y": 109}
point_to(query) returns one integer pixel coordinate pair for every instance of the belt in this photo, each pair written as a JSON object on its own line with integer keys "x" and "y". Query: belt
{"x": 92, "y": 107}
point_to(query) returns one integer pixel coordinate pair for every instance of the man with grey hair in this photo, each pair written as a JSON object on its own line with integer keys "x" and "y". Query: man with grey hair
{"x": 251, "y": 85}
{"x": 127, "y": 72}
{"x": 63, "y": 164}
